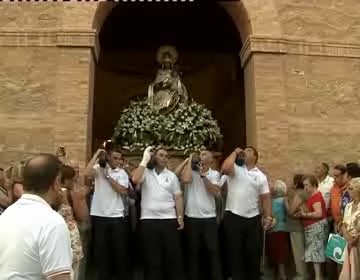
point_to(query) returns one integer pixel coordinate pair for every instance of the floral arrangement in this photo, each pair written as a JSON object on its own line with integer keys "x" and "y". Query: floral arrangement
{"x": 187, "y": 128}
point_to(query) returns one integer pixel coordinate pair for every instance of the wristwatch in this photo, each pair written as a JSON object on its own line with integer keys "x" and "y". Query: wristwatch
{"x": 107, "y": 177}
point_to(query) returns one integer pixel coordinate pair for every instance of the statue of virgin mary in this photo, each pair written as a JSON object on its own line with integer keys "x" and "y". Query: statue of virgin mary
{"x": 167, "y": 90}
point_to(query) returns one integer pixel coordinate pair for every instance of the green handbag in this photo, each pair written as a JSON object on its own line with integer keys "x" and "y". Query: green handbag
{"x": 335, "y": 249}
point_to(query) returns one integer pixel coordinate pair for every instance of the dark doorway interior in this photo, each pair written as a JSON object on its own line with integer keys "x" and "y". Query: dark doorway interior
{"x": 208, "y": 44}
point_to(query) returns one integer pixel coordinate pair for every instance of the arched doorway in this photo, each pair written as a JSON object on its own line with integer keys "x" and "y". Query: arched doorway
{"x": 208, "y": 60}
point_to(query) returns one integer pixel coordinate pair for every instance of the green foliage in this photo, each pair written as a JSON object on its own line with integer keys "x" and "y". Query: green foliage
{"x": 188, "y": 127}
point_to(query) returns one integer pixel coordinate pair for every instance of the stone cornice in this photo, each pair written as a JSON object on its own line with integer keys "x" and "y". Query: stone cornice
{"x": 263, "y": 44}
{"x": 254, "y": 44}
{"x": 50, "y": 38}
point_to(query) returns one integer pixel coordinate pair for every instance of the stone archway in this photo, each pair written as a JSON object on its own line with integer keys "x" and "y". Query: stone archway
{"x": 208, "y": 59}
{"x": 252, "y": 18}
{"x": 261, "y": 33}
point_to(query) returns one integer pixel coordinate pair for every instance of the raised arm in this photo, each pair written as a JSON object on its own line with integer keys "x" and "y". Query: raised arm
{"x": 178, "y": 171}
{"x": 137, "y": 175}
{"x": 90, "y": 172}
{"x": 186, "y": 174}
{"x": 228, "y": 164}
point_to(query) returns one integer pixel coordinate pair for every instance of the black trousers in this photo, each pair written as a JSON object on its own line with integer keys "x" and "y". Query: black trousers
{"x": 203, "y": 253}
{"x": 162, "y": 249}
{"x": 110, "y": 248}
{"x": 244, "y": 243}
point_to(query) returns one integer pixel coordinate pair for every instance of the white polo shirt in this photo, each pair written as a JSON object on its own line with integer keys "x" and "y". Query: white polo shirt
{"x": 106, "y": 202}
{"x": 158, "y": 194}
{"x": 200, "y": 203}
{"x": 325, "y": 188}
{"x": 223, "y": 180}
{"x": 244, "y": 190}
{"x": 34, "y": 241}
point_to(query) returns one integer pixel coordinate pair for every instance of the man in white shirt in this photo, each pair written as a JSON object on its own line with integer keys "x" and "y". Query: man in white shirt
{"x": 161, "y": 217}
{"x": 202, "y": 184}
{"x": 243, "y": 226}
{"x": 34, "y": 239}
{"x": 110, "y": 228}
{"x": 326, "y": 182}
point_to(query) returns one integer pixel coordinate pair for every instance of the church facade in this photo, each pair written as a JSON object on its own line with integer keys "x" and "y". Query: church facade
{"x": 300, "y": 63}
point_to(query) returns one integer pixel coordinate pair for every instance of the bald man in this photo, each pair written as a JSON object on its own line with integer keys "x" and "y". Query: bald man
{"x": 202, "y": 185}
{"x": 34, "y": 239}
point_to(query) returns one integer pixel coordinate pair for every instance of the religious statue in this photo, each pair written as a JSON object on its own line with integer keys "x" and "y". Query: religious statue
{"x": 158, "y": 118}
{"x": 167, "y": 90}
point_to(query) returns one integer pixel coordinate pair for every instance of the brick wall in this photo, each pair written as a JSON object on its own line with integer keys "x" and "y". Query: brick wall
{"x": 44, "y": 101}
{"x": 323, "y": 109}
{"x": 301, "y": 64}
{"x": 27, "y": 101}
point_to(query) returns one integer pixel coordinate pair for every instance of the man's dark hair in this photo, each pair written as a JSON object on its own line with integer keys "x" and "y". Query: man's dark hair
{"x": 341, "y": 168}
{"x": 160, "y": 148}
{"x": 67, "y": 173}
{"x": 114, "y": 149}
{"x": 353, "y": 169}
{"x": 256, "y": 153}
{"x": 326, "y": 167}
{"x": 40, "y": 172}
{"x": 298, "y": 181}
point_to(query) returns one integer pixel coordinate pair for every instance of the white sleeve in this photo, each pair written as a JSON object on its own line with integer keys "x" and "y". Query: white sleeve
{"x": 223, "y": 180}
{"x": 176, "y": 185}
{"x": 55, "y": 250}
{"x": 264, "y": 185}
{"x": 144, "y": 176}
{"x": 215, "y": 178}
{"x": 240, "y": 171}
{"x": 123, "y": 179}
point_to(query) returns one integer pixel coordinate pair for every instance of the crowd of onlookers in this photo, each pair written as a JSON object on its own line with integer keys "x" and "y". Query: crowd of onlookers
{"x": 73, "y": 204}
{"x": 307, "y": 212}
{"x": 297, "y": 228}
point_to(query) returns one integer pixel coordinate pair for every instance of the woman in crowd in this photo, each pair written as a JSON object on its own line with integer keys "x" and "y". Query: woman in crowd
{"x": 73, "y": 215}
{"x": 315, "y": 225}
{"x": 350, "y": 228}
{"x": 17, "y": 181}
{"x": 296, "y": 198}
{"x": 4, "y": 195}
{"x": 277, "y": 239}
{"x": 81, "y": 209}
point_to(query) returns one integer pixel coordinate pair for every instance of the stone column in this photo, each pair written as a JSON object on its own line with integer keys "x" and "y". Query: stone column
{"x": 266, "y": 112}
{"x": 75, "y": 78}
